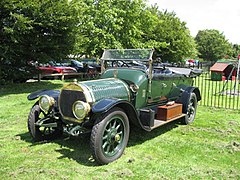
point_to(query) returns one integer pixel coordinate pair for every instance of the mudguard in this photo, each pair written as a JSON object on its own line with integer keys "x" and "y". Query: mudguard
{"x": 105, "y": 105}
{"x": 184, "y": 99}
{"x": 37, "y": 94}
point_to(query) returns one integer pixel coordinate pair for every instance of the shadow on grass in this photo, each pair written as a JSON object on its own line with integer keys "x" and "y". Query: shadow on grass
{"x": 78, "y": 148}
{"x": 138, "y": 136}
{"x": 75, "y": 148}
{"x": 29, "y": 87}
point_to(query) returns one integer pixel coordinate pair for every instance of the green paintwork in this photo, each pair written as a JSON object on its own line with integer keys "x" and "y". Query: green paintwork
{"x": 163, "y": 88}
{"x": 113, "y": 136}
{"x": 107, "y": 88}
{"x": 136, "y": 76}
{"x": 168, "y": 87}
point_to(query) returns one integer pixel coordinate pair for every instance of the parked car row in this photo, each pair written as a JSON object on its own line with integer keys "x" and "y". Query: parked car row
{"x": 67, "y": 66}
{"x": 82, "y": 66}
{"x": 54, "y": 68}
{"x": 86, "y": 66}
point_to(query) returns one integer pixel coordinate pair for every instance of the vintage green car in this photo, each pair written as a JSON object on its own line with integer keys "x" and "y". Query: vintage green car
{"x": 126, "y": 95}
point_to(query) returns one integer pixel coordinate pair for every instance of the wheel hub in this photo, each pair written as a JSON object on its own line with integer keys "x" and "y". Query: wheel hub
{"x": 117, "y": 137}
{"x": 113, "y": 136}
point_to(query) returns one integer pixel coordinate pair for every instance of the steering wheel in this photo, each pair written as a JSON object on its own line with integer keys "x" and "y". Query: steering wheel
{"x": 117, "y": 64}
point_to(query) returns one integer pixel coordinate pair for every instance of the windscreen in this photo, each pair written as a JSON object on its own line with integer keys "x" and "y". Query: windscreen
{"x": 127, "y": 54}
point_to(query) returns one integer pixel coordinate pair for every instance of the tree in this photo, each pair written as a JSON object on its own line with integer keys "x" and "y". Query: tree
{"x": 236, "y": 50}
{"x": 52, "y": 29}
{"x": 34, "y": 31}
{"x": 212, "y": 45}
{"x": 131, "y": 24}
{"x": 109, "y": 24}
{"x": 166, "y": 28}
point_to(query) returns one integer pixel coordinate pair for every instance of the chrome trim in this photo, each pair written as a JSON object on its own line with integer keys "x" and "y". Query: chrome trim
{"x": 88, "y": 93}
{"x": 69, "y": 87}
{"x": 51, "y": 102}
{"x": 86, "y": 109}
{"x": 72, "y": 119}
{"x": 150, "y": 74}
{"x": 134, "y": 88}
{"x": 127, "y": 88}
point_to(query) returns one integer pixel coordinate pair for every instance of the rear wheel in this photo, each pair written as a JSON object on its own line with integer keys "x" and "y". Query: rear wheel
{"x": 39, "y": 133}
{"x": 191, "y": 108}
{"x": 109, "y": 136}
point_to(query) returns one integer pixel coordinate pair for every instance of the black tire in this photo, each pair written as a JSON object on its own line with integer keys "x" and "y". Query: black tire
{"x": 109, "y": 136}
{"x": 191, "y": 108}
{"x": 41, "y": 133}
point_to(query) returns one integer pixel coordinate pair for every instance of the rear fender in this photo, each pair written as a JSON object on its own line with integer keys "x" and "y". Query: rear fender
{"x": 184, "y": 99}
{"x": 105, "y": 105}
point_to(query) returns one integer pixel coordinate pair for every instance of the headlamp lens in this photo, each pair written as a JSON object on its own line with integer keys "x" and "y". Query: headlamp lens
{"x": 80, "y": 109}
{"x": 45, "y": 102}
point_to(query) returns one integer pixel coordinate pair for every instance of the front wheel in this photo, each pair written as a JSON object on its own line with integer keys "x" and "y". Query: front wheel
{"x": 39, "y": 133}
{"x": 109, "y": 136}
{"x": 191, "y": 108}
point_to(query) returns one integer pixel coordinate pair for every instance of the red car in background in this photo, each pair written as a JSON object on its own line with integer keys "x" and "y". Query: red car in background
{"x": 55, "y": 68}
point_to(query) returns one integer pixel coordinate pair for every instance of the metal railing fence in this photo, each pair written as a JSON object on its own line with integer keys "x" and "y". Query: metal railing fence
{"x": 221, "y": 94}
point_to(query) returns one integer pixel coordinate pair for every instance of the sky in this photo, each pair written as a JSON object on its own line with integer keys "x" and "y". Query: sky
{"x": 222, "y": 15}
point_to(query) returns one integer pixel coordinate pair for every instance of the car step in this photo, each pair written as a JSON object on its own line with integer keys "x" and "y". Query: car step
{"x": 158, "y": 123}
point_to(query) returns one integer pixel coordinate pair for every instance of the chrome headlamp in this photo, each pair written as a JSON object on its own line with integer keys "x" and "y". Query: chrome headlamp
{"x": 80, "y": 109}
{"x": 46, "y": 102}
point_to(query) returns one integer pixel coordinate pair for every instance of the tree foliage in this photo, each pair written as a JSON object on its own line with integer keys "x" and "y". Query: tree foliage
{"x": 52, "y": 29}
{"x": 110, "y": 24}
{"x": 168, "y": 28}
{"x": 34, "y": 31}
{"x": 236, "y": 50}
{"x": 212, "y": 45}
{"x": 132, "y": 24}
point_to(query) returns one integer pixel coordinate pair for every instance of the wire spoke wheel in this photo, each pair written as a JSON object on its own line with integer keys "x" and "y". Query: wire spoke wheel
{"x": 110, "y": 136}
{"x": 113, "y": 136}
{"x": 191, "y": 109}
{"x": 38, "y": 132}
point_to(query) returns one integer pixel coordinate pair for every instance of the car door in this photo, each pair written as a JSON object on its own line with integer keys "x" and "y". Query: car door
{"x": 164, "y": 83}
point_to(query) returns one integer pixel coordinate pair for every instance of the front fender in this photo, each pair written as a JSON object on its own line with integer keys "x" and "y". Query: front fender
{"x": 105, "y": 105}
{"x": 37, "y": 94}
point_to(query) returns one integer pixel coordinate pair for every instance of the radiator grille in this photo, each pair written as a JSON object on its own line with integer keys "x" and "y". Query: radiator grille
{"x": 67, "y": 98}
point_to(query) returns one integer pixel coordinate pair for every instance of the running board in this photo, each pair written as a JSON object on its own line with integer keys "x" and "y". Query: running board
{"x": 158, "y": 123}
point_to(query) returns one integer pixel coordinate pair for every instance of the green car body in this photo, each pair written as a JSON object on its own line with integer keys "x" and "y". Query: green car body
{"x": 107, "y": 108}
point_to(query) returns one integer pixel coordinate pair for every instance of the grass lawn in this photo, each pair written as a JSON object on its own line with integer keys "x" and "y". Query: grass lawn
{"x": 207, "y": 149}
